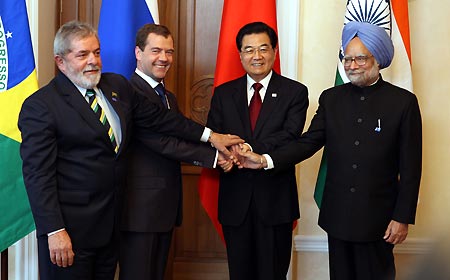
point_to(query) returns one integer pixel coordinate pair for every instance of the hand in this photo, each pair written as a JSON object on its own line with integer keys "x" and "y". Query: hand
{"x": 396, "y": 232}
{"x": 236, "y": 149}
{"x": 225, "y": 163}
{"x": 251, "y": 160}
{"x": 222, "y": 141}
{"x": 60, "y": 247}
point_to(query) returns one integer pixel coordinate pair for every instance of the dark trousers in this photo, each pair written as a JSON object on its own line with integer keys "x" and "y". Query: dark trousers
{"x": 360, "y": 260}
{"x": 258, "y": 251}
{"x": 143, "y": 255}
{"x": 89, "y": 264}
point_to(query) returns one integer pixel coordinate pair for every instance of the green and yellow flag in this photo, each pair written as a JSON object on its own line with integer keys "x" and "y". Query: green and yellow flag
{"x": 17, "y": 81}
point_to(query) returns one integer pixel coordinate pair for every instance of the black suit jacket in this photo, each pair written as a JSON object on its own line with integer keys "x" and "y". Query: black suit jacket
{"x": 281, "y": 120}
{"x": 373, "y": 174}
{"x": 153, "y": 195}
{"x": 71, "y": 173}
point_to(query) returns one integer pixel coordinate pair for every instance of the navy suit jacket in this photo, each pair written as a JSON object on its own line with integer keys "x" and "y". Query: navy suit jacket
{"x": 280, "y": 121}
{"x": 153, "y": 195}
{"x": 72, "y": 175}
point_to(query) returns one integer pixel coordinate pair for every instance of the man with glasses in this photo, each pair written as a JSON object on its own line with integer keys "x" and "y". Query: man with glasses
{"x": 372, "y": 134}
{"x": 256, "y": 208}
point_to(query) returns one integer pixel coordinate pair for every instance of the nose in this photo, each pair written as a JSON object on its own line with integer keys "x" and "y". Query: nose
{"x": 257, "y": 54}
{"x": 353, "y": 64}
{"x": 92, "y": 58}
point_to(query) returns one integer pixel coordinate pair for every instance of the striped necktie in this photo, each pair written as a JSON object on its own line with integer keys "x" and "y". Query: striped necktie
{"x": 101, "y": 116}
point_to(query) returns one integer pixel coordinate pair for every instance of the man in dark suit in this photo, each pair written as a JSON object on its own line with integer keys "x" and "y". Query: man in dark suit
{"x": 372, "y": 135}
{"x": 153, "y": 196}
{"x": 257, "y": 209}
{"x": 74, "y": 159}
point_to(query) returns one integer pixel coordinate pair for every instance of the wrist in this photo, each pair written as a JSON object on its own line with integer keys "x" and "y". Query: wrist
{"x": 210, "y": 138}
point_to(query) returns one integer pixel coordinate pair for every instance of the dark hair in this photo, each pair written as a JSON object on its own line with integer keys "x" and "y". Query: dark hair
{"x": 142, "y": 34}
{"x": 256, "y": 28}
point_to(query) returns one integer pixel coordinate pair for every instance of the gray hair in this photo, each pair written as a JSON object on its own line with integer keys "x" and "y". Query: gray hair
{"x": 68, "y": 32}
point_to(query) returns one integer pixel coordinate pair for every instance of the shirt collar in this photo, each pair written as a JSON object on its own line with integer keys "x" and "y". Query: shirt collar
{"x": 264, "y": 82}
{"x": 147, "y": 78}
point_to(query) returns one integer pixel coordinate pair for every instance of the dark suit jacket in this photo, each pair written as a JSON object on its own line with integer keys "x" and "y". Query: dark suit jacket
{"x": 373, "y": 176}
{"x": 281, "y": 120}
{"x": 72, "y": 175}
{"x": 153, "y": 195}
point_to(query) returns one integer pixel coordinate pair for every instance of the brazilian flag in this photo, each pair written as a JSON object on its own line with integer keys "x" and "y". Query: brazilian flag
{"x": 17, "y": 81}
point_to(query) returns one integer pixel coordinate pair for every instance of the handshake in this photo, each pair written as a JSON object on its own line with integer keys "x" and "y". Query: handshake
{"x": 234, "y": 152}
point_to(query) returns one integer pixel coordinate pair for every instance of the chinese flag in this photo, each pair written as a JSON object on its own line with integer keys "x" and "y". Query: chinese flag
{"x": 235, "y": 14}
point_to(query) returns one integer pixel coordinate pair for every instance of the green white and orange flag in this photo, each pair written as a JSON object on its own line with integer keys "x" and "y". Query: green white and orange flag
{"x": 393, "y": 17}
{"x": 17, "y": 81}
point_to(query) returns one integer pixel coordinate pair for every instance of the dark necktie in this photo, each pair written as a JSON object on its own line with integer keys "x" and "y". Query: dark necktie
{"x": 101, "y": 116}
{"x": 162, "y": 93}
{"x": 255, "y": 105}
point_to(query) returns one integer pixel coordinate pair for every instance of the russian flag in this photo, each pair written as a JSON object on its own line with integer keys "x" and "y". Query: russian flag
{"x": 118, "y": 24}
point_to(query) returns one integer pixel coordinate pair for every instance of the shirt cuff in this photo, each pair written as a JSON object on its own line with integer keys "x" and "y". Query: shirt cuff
{"x": 205, "y": 135}
{"x": 269, "y": 160}
{"x": 56, "y": 231}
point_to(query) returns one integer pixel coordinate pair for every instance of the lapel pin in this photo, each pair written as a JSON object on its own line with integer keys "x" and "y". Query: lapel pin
{"x": 378, "y": 128}
{"x": 274, "y": 95}
{"x": 114, "y": 96}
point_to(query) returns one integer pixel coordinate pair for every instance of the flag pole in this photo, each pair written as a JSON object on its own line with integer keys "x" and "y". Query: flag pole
{"x": 4, "y": 265}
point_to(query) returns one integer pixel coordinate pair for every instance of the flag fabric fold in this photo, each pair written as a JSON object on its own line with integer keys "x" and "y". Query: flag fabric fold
{"x": 235, "y": 14}
{"x": 393, "y": 16}
{"x": 118, "y": 24}
{"x": 17, "y": 81}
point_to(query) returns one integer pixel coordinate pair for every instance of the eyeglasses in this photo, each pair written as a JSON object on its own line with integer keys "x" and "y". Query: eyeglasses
{"x": 359, "y": 60}
{"x": 252, "y": 51}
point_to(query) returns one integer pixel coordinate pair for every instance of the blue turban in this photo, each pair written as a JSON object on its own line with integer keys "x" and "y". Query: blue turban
{"x": 375, "y": 38}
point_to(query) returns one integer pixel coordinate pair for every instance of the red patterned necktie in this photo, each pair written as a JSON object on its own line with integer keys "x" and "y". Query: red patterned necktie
{"x": 255, "y": 105}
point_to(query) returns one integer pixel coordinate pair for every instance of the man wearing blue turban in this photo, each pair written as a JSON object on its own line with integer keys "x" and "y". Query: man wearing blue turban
{"x": 372, "y": 134}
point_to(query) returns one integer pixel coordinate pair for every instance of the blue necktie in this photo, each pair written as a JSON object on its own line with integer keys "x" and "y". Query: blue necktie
{"x": 162, "y": 93}
{"x": 101, "y": 116}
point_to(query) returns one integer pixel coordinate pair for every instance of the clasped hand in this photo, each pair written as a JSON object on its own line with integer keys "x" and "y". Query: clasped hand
{"x": 242, "y": 157}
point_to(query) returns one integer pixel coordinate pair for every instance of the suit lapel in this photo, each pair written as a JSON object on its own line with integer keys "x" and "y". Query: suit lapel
{"x": 74, "y": 99}
{"x": 241, "y": 103}
{"x": 270, "y": 100}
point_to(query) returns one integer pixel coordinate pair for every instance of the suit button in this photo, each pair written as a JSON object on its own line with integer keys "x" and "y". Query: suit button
{"x": 356, "y": 143}
{"x": 354, "y": 166}
{"x": 352, "y": 189}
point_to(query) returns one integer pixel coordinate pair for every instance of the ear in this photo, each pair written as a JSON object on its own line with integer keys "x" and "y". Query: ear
{"x": 59, "y": 62}
{"x": 137, "y": 53}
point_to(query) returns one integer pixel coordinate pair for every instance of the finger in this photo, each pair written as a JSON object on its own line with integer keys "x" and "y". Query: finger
{"x": 53, "y": 257}
{"x": 64, "y": 258}
{"x": 71, "y": 257}
{"x": 226, "y": 152}
{"x": 58, "y": 259}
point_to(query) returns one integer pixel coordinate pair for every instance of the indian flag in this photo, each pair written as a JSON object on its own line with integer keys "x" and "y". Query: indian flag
{"x": 17, "y": 81}
{"x": 393, "y": 17}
